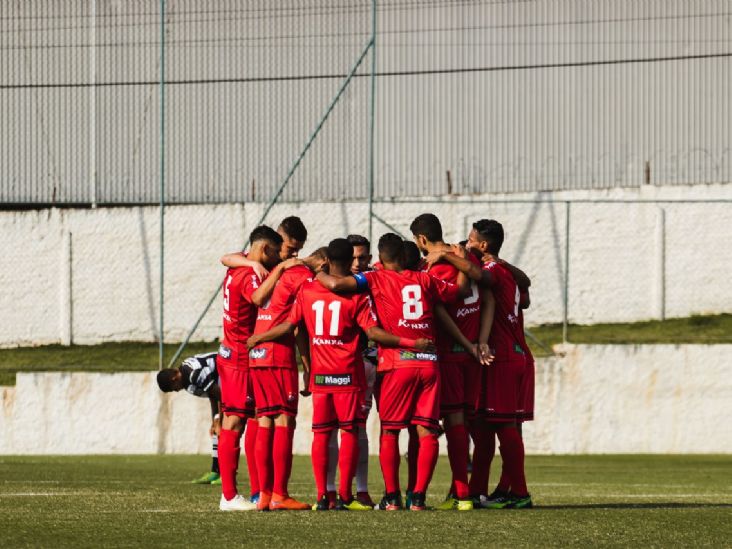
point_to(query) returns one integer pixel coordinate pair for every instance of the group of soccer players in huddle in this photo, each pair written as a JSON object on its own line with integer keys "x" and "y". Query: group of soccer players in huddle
{"x": 451, "y": 356}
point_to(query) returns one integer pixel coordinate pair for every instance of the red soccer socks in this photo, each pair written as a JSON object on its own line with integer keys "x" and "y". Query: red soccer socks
{"x": 485, "y": 447}
{"x": 347, "y": 463}
{"x": 229, "y": 450}
{"x": 412, "y": 453}
{"x": 319, "y": 455}
{"x": 263, "y": 457}
{"x": 457, "y": 452}
{"x": 512, "y": 453}
{"x": 389, "y": 460}
{"x": 282, "y": 459}
{"x": 426, "y": 461}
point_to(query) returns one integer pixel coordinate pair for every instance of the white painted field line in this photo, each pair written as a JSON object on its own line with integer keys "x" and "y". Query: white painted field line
{"x": 36, "y": 494}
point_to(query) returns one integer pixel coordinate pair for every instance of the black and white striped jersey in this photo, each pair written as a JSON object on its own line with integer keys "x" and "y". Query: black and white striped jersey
{"x": 199, "y": 373}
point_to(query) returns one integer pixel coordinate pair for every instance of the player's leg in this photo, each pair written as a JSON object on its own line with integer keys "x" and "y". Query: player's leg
{"x": 425, "y": 417}
{"x": 285, "y": 390}
{"x": 395, "y": 410}
{"x": 412, "y": 457}
{"x": 265, "y": 435}
{"x": 234, "y": 382}
{"x": 332, "y": 466}
{"x": 349, "y": 409}
{"x": 452, "y": 406}
{"x": 250, "y": 443}
{"x": 485, "y": 448}
{"x": 325, "y": 424}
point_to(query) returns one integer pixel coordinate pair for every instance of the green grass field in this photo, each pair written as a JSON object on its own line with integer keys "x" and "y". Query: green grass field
{"x": 147, "y": 501}
{"x": 135, "y": 356}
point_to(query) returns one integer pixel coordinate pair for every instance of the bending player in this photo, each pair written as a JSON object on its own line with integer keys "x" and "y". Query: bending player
{"x": 459, "y": 369}
{"x": 500, "y": 409}
{"x": 198, "y": 376}
{"x": 274, "y": 378}
{"x": 237, "y": 402}
{"x": 334, "y": 323}
{"x": 409, "y": 391}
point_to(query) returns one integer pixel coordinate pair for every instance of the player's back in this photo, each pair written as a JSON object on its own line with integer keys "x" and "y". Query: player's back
{"x": 464, "y": 312}
{"x": 334, "y": 323}
{"x": 240, "y": 314}
{"x": 404, "y": 303}
{"x": 280, "y": 353}
{"x": 507, "y": 336}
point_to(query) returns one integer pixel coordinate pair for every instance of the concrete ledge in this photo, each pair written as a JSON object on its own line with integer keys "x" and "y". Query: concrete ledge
{"x": 593, "y": 399}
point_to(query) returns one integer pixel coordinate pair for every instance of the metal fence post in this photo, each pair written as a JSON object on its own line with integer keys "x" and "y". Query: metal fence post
{"x": 371, "y": 117}
{"x": 565, "y": 320}
{"x": 161, "y": 337}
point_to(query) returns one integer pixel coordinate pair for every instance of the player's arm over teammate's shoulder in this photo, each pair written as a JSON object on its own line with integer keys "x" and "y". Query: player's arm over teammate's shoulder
{"x": 357, "y": 282}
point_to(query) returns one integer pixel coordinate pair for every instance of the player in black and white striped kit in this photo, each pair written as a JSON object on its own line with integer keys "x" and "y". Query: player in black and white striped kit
{"x": 198, "y": 376}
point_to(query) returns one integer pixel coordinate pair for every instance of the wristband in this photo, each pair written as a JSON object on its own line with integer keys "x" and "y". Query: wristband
{"x": 216, "y": 416}
{"x": 406, "y": 342}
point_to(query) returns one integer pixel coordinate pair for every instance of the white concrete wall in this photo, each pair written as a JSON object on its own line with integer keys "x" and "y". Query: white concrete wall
{"x": 89, "y": 276}
{"x": 593, "y": 399}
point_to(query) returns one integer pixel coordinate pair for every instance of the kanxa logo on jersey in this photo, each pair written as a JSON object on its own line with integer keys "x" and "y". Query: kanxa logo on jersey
{"x": 224, "y": 351}
{"x": 258, "y": 352}
{"x": 417, "y": 355}
{"x": 333, "y": 380}
{"x": 326, "y": 341}
{"x": 263, "y": 316}
{"x": 413, "y": 325}
{"x": 465, "y": 311}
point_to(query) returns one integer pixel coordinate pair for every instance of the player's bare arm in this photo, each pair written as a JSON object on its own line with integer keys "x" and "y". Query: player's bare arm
{"x": 449, "y": 325}
{"x": 525, "y": 300}
{"x": 471, "y": 270}
{"x": 238, "y": 259}
{"x": 487, "y": 312}
{"x": 303, "y": 345}
{"x": 215, "y": 410}
{"x": 270, "y": 335}
{"x": 337, "y": 284}
{"x": 264, "y": 292}
{"x": 386, "y": 339}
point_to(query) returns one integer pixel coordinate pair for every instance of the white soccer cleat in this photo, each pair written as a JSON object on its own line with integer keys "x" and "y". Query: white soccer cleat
{"x": 237, "y": 503}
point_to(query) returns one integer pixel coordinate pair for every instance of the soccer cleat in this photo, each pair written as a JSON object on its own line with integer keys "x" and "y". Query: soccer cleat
{"x": 519, "y": 502}
{"x": 449, "y": 504}
{"x": 353, "y": 505}
{"x": 365, "y": 498}
{"x": 254, "y": 498}
{"x": 237, "y": 503}
{"x": 464, "y": 504}
{"x": 322, "y": 505}
{"x": 280, "y": 503}
{"x": 390, "y": 502}
{"x": 208, "y": 478}
{"x": 496, "y": 500}
{"x": 418, "y": 502}
{"x": 263, "y": 501}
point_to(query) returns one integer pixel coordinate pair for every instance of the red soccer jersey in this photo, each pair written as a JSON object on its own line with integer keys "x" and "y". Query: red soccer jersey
{"x": 333, "y": 323}
{"x": 507, "y": 334}
{"x": 404, "y": 304}
{"x": 280, "y": 353}
{"x": 465, "y": 312}
{"x": 240, "y": 313}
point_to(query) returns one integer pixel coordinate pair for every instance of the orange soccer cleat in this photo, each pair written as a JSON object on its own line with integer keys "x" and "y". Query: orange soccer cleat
{"x": 286, "y": 503}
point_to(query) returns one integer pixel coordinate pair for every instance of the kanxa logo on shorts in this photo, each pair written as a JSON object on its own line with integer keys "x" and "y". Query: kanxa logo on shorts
{"x": 333, "y": 380}
{"x": 224, "y": 351}
{"x": 258, "y": 352}
{"x": 417, "y": 355}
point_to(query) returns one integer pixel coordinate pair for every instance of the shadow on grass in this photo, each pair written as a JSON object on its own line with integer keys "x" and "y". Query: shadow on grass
{"x": 659, "y": 505}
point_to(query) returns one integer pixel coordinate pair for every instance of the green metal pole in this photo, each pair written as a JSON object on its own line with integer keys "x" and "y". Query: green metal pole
{"x": 280, "y": 189}
{"x": 372, "y": 111}
{"x": 162, "y": 182}
{"x": 565, "y": 319}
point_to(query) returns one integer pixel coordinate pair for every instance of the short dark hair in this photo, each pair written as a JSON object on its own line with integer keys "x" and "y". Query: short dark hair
{"x": 428, "y": 226}
{"x": 165, "y": 379}
{"x": 391, "y": 248}
{"x": 265, "y": 233}
{"x": 294, "y": 228}
{"x": 340, "y": 251}
{"x": 358, "y": 240}
{"x": 491, "y": 231}
{"x": 412, "y": 257}
{"x": 320, "y": 253}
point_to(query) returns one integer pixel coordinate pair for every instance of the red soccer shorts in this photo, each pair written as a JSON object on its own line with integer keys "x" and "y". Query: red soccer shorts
{"x": 502, "y": 398}
{"x": 275, "y": 391}
{"x": 237, "y": 397}
{"x": 338, "y": 410}
{"x": 526, "y": 404}
{"x": 459, "y": 387}
{"x": 410, "y": 396}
